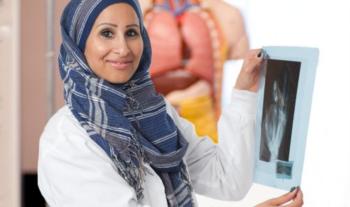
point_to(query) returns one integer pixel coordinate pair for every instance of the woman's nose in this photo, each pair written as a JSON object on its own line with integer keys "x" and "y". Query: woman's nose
{"x": 121, "y": 47}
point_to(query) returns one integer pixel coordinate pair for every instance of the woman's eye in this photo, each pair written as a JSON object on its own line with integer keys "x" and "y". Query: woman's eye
{"x": 107, "y": 34}
{"x": 132, "y": 33}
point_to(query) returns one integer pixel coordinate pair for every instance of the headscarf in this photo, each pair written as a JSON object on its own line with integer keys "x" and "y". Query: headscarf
{"x": 128, "y": 121}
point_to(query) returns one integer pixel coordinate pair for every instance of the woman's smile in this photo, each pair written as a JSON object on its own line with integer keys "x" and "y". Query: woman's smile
{"x": 120, "y": 64}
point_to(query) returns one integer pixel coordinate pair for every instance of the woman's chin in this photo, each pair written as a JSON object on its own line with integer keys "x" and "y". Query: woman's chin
{"x": 118, "y": 80}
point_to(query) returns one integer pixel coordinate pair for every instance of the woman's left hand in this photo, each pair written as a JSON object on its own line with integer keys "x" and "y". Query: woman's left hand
{"x": 248, "y": 78}
{"x": 291, "y": 199}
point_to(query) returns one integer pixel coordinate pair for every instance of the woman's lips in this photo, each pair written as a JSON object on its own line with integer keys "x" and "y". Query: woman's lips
{"x": 120, "y": 65}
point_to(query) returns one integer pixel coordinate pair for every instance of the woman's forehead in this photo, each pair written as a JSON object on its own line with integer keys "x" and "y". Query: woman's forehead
{"x": 118, "y": 12}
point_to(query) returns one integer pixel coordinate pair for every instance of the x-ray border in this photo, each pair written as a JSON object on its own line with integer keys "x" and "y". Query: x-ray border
{"x": 265, "y": 172}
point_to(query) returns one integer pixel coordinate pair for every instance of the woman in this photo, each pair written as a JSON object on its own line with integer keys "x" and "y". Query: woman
{"x": 116, "y": 142}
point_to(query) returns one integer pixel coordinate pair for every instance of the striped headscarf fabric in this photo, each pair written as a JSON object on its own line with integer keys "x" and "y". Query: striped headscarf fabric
{"x": 128, "y": 121}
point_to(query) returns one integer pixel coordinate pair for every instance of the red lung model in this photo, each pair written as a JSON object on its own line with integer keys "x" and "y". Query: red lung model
{"x": 186, "y": 44}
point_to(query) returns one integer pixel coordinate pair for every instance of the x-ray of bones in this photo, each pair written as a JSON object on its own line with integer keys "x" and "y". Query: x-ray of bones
{"x": 276, "y": 118}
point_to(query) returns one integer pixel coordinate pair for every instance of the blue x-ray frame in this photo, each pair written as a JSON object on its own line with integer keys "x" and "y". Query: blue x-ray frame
{"x": 266, "y": 172}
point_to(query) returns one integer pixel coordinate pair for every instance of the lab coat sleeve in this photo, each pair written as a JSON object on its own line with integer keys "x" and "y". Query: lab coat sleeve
{"x": 224, "y": 171}
{"x": 77, "y": 177}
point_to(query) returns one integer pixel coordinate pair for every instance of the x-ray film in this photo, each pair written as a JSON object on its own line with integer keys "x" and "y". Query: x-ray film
{"x": 284, "y": 103}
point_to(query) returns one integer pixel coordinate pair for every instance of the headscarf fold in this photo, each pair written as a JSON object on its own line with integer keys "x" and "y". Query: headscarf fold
{"x": 128, "y": 121}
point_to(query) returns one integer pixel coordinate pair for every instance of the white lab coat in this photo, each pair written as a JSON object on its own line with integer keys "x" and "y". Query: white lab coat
{"x": 73, "y": 171}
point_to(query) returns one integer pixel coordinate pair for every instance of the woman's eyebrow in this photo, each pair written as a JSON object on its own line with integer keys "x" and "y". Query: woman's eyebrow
{"x": 108, "y": 24}
{"x": 114, "y": 25}
{"x": 132, "y": 25}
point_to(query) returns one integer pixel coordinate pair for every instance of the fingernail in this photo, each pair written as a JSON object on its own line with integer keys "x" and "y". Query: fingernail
{"x": 292, "y": 189}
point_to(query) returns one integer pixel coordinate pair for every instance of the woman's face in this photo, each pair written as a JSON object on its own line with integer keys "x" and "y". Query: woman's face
{"x": 114, "y": 47}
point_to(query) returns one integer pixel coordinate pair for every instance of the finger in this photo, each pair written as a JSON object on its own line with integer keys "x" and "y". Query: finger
{"x": 253, "y": 61}
{"x": 257, "y": 54}
{"x": 254, "y": 51}
{"x": 252, "y": 54}
{"x": 256, "y": 68}
{"x": 284, "y": 198}
{"x": 298, "y": 200}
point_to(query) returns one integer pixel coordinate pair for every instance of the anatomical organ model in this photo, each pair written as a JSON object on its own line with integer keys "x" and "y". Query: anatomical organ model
{"x": 191, "y": 40}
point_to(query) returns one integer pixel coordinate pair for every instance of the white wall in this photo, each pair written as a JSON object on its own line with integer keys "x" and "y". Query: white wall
{"x": 9, "y": 107}
{"x": 322, "y": 24}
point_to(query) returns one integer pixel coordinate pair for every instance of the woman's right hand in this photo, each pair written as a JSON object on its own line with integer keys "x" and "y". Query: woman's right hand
{"x": 296, "y": 198}
{"x": 248, "y": 78}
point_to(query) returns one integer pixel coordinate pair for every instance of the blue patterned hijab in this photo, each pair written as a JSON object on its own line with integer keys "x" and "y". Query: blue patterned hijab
{"x": 128, "y": 121}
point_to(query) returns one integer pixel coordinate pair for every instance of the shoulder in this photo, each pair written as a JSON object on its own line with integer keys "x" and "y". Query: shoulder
{"x": 64, "y": 136}
{"x": 64, "y": 144}
{"x": 70, "y": 160}
{"x": 59, "y": 128}
{"x": 62, "y": 121}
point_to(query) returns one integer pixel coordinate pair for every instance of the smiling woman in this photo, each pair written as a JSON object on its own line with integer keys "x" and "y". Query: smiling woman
{"x": 114, "y": 47}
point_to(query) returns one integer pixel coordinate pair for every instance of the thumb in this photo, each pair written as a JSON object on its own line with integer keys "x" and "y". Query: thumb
{"x": 284, "y": 198}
